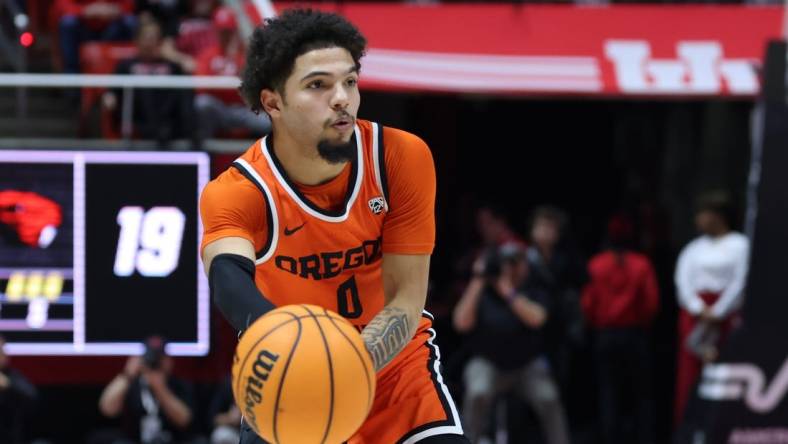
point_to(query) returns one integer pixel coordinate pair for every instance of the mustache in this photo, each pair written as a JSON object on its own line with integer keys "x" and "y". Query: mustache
{"x": 343, "y": 115}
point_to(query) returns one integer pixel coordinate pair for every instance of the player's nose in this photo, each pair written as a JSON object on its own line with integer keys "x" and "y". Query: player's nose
{"x": 340, "y": 99}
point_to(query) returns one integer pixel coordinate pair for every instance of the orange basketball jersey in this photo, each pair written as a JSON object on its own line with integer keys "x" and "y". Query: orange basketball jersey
{"x": 324, "y": 244}
{"x": 318, "y": 256}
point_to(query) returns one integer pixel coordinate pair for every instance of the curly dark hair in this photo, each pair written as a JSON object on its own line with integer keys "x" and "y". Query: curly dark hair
{"x": 274, "y": 47}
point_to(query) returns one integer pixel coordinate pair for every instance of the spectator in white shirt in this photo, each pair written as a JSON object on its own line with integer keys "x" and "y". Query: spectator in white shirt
{"x": 710, "y": 277}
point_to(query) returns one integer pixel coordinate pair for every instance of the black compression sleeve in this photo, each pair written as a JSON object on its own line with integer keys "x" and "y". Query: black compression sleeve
{"x": 231, "y": 280}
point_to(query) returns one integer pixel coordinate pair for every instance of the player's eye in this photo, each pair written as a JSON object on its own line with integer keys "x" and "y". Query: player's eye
{"x": 317, "y": 84}
{"x": 352, "y": 81}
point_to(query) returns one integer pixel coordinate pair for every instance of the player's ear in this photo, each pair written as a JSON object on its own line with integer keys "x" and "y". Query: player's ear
{"x": 271, "y": 101}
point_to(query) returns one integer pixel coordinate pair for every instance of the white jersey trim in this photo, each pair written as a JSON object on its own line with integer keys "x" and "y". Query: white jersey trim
{"x": 376, "y": 160}
{"x": 269, "y": 197}
{"x": 455, "y": 429}
{"x": 301, "y": 203}
{"x": 440, "y": 430}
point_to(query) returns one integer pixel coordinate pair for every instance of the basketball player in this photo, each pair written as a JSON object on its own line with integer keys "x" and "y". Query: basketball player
{"x": 334, "y": 211}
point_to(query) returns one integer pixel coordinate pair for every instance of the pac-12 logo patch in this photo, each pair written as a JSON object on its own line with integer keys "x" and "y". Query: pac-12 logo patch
{"x": 377, "y": 205}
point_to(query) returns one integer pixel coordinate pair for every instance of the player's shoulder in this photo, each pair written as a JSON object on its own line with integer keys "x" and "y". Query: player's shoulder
{"x": 403, "y": 147}
{"x": 228, "y": 180}
{"x": 232, "y": 175}
{"x": 232, "y": 186}
{"x": 404, "y": 154}
{"x": 229, "y": 189}
{"x": 393, "y": 137}
{"x": 401, "y": 139}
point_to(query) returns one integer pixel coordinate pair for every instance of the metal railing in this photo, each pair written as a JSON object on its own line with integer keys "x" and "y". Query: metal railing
{"x": 128, "y": 83}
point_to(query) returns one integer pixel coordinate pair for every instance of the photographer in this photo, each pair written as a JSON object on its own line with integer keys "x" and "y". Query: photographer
{"x": 155, "y": 406}
{"x": 504, "y": 314}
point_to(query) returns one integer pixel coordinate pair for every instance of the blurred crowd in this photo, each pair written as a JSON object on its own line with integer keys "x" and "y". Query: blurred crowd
{"x": 548, "y": 329}
{"x": 158, "y": 38}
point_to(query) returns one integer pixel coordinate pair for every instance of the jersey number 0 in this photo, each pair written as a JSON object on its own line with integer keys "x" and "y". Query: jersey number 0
{"x": 348, "y": 302}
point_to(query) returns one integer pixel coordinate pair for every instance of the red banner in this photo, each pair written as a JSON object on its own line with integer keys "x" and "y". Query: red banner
{"x": 649, "y": 50}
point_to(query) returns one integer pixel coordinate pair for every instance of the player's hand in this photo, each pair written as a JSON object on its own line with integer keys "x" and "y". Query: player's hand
{"x": 4, "y": 381}
{"x": 133, "y": 367}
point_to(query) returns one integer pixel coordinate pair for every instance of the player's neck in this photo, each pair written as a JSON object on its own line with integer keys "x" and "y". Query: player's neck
{"x": 302, "y": 163}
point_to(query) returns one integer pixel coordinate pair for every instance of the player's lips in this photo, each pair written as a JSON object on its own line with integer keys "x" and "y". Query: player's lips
{"x": 343, "y": 124}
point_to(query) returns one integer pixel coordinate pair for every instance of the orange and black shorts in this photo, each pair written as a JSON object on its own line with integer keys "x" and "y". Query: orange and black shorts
{"x": 412, "y": 403}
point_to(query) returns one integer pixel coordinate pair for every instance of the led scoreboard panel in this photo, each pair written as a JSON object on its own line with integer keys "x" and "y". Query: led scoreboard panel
{"x": 99, "y": 250}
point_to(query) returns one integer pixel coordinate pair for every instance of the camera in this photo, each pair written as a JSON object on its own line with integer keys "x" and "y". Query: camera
{"x": 496, "y": 257}
{"x": 492, "y": 263}
{"x": 154, "y": 352}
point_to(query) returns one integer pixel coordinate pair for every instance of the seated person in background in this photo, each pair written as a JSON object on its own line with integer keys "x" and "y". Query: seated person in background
{"x": 224, "y": 414}
{"x": 504, "y": 314}
{"x": 195, "y": 33}
{"x": 159, "y": 114}
{"x": 17, "y": 396}
{"x": 168, "y": 14}
{"x": 224, "y": 109}
{"x": 85, "y": 20}
{"x": 155, "y": 406}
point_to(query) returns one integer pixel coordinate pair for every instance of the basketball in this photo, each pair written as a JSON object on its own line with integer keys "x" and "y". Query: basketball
{"x": 301, "y": 374}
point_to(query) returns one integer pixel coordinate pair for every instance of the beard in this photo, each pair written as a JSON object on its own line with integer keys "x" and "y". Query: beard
{"x": 337, "y": 152}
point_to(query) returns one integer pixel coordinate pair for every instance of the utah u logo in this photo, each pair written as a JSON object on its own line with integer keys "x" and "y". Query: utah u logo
{"x": 700, "y": 68}
{"x": 377, "y": 205}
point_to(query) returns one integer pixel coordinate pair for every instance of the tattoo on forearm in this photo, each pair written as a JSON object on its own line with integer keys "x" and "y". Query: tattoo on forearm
{"x": 387, "y": 335}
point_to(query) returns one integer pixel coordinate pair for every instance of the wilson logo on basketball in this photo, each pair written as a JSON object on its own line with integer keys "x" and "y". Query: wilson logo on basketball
{"x": 311, "y": 368}
{"x": 254, "y": 387}
{"x": 377, "y": 205}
